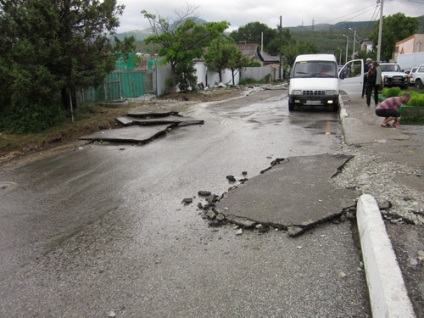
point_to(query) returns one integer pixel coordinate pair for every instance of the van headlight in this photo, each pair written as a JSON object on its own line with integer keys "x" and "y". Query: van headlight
{"x": 297, "y": 92}
{"x": 331, "y": 92}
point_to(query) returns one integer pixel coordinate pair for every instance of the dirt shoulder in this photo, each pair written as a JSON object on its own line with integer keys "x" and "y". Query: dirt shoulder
{"x": 20, "y": 149}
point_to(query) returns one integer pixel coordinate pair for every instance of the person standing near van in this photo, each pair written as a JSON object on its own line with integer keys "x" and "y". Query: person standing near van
{"x": 367, "y": 66}
{"x": 373, "y": 83}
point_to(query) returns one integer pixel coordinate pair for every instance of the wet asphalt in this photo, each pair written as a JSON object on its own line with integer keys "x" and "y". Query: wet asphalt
{"x": 102, "y": 230}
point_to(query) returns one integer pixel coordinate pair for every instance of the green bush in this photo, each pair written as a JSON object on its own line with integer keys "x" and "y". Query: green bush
{"x": 24, "y": 118}
{"x": 248, "y": 81}
{"x": 417, "y": 98}
{"x": 391, "y": 92}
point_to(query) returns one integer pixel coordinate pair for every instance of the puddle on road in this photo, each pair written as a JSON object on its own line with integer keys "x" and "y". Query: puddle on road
{"x": 7, "y": 186}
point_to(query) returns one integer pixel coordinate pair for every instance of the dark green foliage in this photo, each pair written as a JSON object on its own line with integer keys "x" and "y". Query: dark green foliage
{"x": 391, "y": 91}
{"x": 253, "y": 32}
{"x": 182, "y": 42}
{"x": 185, "y": 76}
{"x": 223, "y": 53}
{"x": 48, "y": 50}
{"x": 395, "y": 28}
{"x": 417, "y": 100}
{"x": 248, "y": 81}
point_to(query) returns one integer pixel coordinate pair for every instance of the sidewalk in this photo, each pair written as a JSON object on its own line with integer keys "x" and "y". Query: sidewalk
{"x": 386, "y": 275}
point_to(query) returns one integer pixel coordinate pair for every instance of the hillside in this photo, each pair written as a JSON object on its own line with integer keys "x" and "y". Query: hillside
{"x": 328, "y": 38}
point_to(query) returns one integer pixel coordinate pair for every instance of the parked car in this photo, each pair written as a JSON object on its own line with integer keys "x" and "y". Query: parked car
{"x": 419, "y": 77}
{"x": 411, "y": 75}
{"x": 392, "y": 75}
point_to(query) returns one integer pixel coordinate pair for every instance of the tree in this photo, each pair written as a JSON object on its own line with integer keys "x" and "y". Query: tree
{"x": 236, "y": 62}
{"x": 253, "y": 32}
{"x": 181, "y": 43}
{"x": 51, "y": 48}
{"x": 395, "y": 28}
{"x": 276, "y": 45}
{"x": 219, "y": 53}
{"x": 290, "y": 52}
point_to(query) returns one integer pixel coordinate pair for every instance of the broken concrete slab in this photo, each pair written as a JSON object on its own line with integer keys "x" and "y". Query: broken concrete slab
{"x": 148, "y": 112}
{"x": 177, "y": 120}
{"x": 297, "y": 192}
{"x": 132, "y": 134}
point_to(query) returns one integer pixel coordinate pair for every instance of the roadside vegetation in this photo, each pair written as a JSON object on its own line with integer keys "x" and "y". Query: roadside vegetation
{"x": 417, "y": 100}
{"x": 89, "y": 119}
{"x": 417, "y": 95}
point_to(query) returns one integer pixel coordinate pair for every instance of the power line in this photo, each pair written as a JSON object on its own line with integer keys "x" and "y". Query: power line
{"x": 360, "y": 10}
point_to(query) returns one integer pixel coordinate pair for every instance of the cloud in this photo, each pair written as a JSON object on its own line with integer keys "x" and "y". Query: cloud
{"x": 241, "y": 12}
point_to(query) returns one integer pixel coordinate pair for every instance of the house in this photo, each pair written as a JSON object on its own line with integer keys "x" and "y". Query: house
{"x": 254, "y": 53}
{"x": 412, "y": 44}
{"x": 366, "y": 45}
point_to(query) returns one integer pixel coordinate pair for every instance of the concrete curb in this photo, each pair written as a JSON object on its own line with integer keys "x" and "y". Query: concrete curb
{"x": 387, "y": 291}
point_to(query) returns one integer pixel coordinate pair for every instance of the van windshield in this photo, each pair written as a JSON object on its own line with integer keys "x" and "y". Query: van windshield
{"x": 322, "y": 69}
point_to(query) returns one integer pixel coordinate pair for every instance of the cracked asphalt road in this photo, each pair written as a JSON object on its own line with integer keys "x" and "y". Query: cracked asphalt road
{"x": 102, "y": 228}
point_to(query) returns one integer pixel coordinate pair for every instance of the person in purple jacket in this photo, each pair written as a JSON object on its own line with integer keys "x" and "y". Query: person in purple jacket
{"x": 389, "y": 109}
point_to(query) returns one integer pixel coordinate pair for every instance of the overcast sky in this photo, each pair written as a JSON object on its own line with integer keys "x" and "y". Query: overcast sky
{"x": 293, "y": 12}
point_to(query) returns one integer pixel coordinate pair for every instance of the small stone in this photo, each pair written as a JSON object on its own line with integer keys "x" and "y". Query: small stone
{"x": 342, "y": 274}
{"x": 413, "y": 262}
{"x": 239, "y": 232}
{"x": 211, "y": 214}
{"x": 204, "y": 193}
{"x": 385, "y": 205}
{"x": 244, "y": 173}
{"x": 111, "y": 314}
{"x": 187, "y": 201}
{"x": 220, "y": 217}
{"x": 231, "y": 178}
{"x": 420, "y": 255}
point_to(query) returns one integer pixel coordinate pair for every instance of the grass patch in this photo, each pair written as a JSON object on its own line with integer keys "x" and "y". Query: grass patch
{"x": 87, "y": 119}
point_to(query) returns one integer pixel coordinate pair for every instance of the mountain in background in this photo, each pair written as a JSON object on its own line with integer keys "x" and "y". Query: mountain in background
{"x": 332, "y": 27}
{"x": 140, "y": 35}
{"x": 362, "y": 27}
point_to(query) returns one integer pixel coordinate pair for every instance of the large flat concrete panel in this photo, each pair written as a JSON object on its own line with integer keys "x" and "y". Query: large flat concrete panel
{"x": 296, "y": 192}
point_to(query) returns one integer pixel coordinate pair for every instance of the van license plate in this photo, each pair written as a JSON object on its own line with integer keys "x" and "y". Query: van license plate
{"x": 313, "y": 102}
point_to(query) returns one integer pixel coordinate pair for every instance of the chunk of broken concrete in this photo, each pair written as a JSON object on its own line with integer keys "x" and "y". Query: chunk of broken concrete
{"x": 231, "y": 178}
{"x": 187, "y": 201}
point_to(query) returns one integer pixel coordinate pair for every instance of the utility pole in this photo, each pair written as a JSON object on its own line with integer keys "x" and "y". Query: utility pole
{"x": 280, "y": 40}
{"x": 347, "y": 45}
{"x": 380, "y": 31}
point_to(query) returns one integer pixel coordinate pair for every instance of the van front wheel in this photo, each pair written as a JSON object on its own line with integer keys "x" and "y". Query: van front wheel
{"x": 291, "y": 106}
{"x": 335, "y": 107}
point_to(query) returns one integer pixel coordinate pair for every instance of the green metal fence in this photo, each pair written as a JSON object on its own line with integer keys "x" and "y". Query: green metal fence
{"x": 117, "y": 85}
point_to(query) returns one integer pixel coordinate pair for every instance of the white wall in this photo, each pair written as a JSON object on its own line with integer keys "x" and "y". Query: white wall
{"x": 163, "y": 73}
{"x": 212, "y": 78}
{"x": 257, "y": 73}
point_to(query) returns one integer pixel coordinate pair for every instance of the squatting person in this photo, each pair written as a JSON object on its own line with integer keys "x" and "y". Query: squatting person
{"x": 389, "y": 109}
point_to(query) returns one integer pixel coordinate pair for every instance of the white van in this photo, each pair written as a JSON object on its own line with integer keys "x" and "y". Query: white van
{"x": 314, "y": 80}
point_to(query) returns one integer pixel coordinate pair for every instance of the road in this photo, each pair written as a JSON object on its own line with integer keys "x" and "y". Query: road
{"x": 101, "y": 230}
